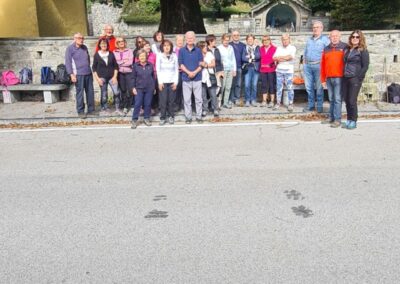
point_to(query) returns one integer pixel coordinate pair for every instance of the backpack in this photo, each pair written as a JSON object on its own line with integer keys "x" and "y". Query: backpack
{"x": 394, "y": 93}
{"x": 62, "y": 76}
{"x": 47, "y": 76}
{"x": 8, "y": 78}
{"x": 25, "y": 75}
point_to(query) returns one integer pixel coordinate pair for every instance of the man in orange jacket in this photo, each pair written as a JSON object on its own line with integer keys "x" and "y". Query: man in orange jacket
{"x": 331, "y": 76}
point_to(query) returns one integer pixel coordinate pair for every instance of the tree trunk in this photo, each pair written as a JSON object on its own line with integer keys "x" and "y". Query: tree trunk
{"x": 180, "y": 16}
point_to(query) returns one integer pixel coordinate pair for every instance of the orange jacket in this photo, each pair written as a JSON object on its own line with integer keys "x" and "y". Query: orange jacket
{"x": 332, "y": 62}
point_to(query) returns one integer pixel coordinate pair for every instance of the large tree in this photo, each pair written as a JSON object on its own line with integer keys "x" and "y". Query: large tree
{"x": 180, "y": 16}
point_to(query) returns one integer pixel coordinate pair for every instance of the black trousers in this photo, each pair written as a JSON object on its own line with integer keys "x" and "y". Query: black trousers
{"x": 166, "y": 101}
{"x": 124, "y": 82}
{"x": 350, "y": 89}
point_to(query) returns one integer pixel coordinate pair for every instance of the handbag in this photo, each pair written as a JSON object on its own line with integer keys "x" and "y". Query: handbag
{"x": 213, "y": 78}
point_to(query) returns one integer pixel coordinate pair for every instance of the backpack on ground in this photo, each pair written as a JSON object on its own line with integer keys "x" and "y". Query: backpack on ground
{"x": 47, "y": 76}
{"x": 62, "y": 76}
{"x": 8, "y": 78}
{"x": 394, "y": 93}
{"x": 25, "y": 75}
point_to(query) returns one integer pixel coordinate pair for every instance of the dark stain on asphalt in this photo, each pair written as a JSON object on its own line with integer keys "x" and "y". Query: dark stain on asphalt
{"x": 293, "y": 194}
{"x": 159, "y": 197}
{"x": 155, "y": 214}
{"x": 302, "y": 211}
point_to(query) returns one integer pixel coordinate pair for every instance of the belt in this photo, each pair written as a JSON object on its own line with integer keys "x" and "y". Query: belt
{"x": 313, "y": 62}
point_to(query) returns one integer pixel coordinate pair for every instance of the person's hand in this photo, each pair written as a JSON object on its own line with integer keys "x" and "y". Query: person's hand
{"x": 323, "y": 85}
{"x": 114, "y": 81}
{"x": 161, "y": 86}
{"x": 203, "y": 64}
{"x": 73, "y": 78}
{"x": 101, "y": 83}
{"x": 233, "y": 73}
{"x": 174, "y": 87}
{"x": 134, "y": 91}
{"x": 220, "y": 74}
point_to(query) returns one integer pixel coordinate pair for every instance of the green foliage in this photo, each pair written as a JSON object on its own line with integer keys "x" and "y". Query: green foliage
{"x": 319, "y": 5}
{"x": 364, "y": 14}
{"x": 143, "y": 19}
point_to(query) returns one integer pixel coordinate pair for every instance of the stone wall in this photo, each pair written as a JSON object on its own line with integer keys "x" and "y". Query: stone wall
{"x": 382, "y": 45}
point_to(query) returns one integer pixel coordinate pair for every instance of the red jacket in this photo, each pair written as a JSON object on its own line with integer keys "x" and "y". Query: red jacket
{"x": 332, "y": 63}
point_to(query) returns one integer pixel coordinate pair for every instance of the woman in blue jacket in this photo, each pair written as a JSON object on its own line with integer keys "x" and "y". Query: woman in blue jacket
{"x": 143, "y": 82}
{"x": 250, "y": 68}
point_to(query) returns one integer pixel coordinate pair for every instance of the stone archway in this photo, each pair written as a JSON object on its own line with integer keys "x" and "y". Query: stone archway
{"x": 281, "y": 17}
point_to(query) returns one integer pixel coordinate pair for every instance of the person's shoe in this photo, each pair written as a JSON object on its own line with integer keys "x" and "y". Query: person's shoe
{"x": 82, "y": 115}
{"x": 125, "y": 111}
{"x": 327, "y": 121}
{"x": 199, "y": 120}
{"x": 204, "y": 113}
{"x": 247, "y": 104}
{"x": 335, "y": 124}
{"x": 276, "y": 106}
{"x": 171, "y": 120}
{"x": 307, "y": 109}
{"x": 134, "y": 124}
{"x": 346, "y": 124}
{"x": 352, "y": 125}
{"x": 227, "y": 106}
{"x": 270, "y": 105}
{"x": 263, "y": 104}
{"x": 254, "y": 104}
{"x": 290, "y": 108}
{"x": 188, "y": 121}
{"x": 118, "y": 112}
{"x": 162, "y": 122}
{"x": 216, "y": 113}
{"x": 147, "y": 122}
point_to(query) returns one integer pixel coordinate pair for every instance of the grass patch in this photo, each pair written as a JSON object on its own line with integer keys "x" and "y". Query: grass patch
{"x": 142, "y": 19}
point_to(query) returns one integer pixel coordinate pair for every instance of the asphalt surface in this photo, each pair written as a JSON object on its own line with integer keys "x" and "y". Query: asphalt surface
{"x": 272, "y": 203}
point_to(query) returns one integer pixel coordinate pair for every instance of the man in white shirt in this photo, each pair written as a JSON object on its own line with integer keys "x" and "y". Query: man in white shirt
{"x": 285, "y": 55}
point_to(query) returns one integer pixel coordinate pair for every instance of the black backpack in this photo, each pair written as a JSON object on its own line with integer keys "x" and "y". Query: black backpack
{"x": 47, "y": 76}
{"x": 25, "y": 75}
{"x": 62, "y": 76}
{"x": 394, "y": 93}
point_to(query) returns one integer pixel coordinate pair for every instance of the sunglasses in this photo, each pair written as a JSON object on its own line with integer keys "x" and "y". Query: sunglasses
{"x": 355, "y": 36}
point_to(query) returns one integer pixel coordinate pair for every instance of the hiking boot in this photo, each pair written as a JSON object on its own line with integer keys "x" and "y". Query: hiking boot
{"x": 270, "y": 105}
{"x": 276, "y": 107}
{"x": 352, "y": 125}
{"x": 171, "y": 120}
{"x": 162, "y": 122}
{"x": 216, "y": 113}
{"x": 335, "y": 124}
{"x": 147, "y": 122}
{"x": 228, "y": 106}
{"x": 188, "y": 121}
{"x": 199, "y": 120}
{"x": 134, "y": 124}
{"x": 346, "y": 124}
{"x": 290, "y": 108}
{"x": 204, "y": 113}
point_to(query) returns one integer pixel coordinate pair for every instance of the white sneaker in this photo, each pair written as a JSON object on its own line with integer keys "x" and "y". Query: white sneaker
{"x": 276, "y": 106}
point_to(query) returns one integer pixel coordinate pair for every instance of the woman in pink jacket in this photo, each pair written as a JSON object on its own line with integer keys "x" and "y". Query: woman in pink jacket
{"x": 267, "y": 71}
{"x": 124, "y": 57}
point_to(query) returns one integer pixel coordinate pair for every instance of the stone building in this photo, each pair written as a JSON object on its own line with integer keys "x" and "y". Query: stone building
{"x": 284, "y": 16}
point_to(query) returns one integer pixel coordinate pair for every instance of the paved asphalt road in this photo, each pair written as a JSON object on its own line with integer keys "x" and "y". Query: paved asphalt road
{"x": 279, "y": 203}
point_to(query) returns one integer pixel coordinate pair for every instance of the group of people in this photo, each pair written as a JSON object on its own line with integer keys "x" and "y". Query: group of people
{"x": 161, "y": 76}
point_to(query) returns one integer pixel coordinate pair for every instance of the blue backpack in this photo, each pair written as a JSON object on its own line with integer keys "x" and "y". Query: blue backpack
{"x": 47, "y": 76}
{"x": 25, "y": 75}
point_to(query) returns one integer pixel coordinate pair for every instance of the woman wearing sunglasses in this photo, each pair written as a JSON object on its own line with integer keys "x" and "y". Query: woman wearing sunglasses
{"x": 356, "y": 61}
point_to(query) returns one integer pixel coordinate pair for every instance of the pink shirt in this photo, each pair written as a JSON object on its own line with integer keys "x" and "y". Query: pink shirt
{"x": 267, "y": 64}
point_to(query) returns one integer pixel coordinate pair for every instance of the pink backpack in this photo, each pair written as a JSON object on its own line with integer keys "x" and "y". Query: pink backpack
{"x": 8, "y": 78}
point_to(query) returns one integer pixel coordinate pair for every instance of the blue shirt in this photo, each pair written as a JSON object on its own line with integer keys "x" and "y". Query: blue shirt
{"x": 314, "y": 48}
{"x": 191, "y": 60}
{"x": 143, "y": 76}
{"x": 238, "y": 49}
{"x": 77, "y": 60}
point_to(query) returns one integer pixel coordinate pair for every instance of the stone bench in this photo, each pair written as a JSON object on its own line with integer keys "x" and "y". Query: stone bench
{"x": 51, "y": 93}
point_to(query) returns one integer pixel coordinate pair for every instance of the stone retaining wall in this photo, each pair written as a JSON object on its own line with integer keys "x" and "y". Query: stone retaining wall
{"x": 382, "y": 45}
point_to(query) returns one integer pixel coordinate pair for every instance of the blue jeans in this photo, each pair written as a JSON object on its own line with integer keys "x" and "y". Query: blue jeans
{"x": 250, "y": 84}
{"x": 284, "y": 79}
{"x": 84, "y": 83}
{"x": 312, "y": 83}
{"x": 143, "y": 98}
{"x": 236, "y": 86}
{"x": 334, "y": 86}
{"x": 104, "y": 93}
